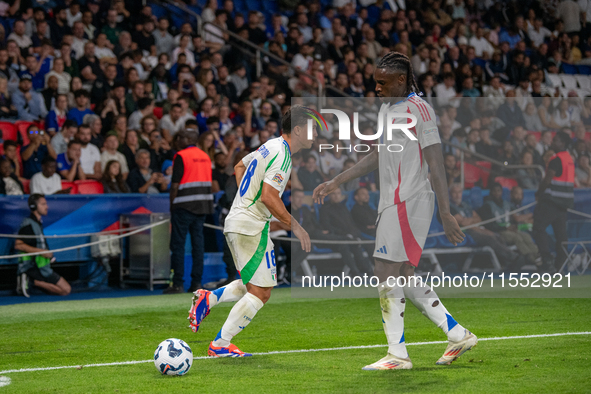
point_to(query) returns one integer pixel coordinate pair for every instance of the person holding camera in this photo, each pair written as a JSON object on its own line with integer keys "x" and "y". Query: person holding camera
{"x": 143, "y": 179}
{"x": 37, "y": 268}
{"x": 34, "y": 153}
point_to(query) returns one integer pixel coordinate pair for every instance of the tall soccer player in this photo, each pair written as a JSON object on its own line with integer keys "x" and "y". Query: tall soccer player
{"x": 262, "y": 177}
{"x": 405, "y": 211}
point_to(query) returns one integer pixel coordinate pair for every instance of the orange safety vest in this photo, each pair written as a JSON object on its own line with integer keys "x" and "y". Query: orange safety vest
{"x": 194, "y": 193}
{"x": 561, "y": 190}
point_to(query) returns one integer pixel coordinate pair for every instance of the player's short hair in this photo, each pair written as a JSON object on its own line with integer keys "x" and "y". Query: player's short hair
{"x": 297, "y": 115}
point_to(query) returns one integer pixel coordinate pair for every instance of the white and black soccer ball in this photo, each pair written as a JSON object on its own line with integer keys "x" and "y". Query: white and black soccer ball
{"x": 173, "y": 357}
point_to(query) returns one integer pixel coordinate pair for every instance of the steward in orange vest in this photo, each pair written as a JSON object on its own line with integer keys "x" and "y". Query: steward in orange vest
{"x": 555, "y": 196}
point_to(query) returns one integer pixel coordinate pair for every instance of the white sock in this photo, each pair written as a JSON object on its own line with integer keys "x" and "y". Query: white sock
{"x": 241, "y": 314}
{"x": 392, "y": 302}
{"x": 232, "y": 292}
{"x": 426, "y": 300}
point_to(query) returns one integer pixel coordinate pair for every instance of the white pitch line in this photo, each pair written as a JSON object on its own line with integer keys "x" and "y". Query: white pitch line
{"x": 296, "y": 351}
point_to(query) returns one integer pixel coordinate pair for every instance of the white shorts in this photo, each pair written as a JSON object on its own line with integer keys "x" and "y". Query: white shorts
{"x": 403, "y": 228}
{"x": 254, "y": 257}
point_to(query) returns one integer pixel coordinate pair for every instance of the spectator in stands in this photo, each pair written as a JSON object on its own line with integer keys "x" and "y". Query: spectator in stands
{"x": 57, "y": 116}
{"x": 495, "y": 207}
{"x": 309, "y": 175}
{"x": 7, "y": 109}
{"x": 530, "y": 144}
{"x": 545, "y": 142}
{"x": 81, "y": 96}
{"x": 68, "y": 163}
{"x": 145, "y": 108}
{"x": 113, "y": 180}
{"x": 110, "y": 153}
{"x": 583, "y": 171}
{"x": 50, "y": 92}
{"x": 523, "y": 219}
{"x": 11, "y": 154}
{"x": 160, "y": 150}
{"x": 96, "y": 126}
{"x": 164, "y": 41}
{"x": 510, "y": 113}
{"x": 9, "y": 182}
{"x": 61, "y": 139}
{"x": 34, "y": 153}
{"x": 452, "y": 171}
{"x": 37, "y": 268}
{"x": 48, "y": 181}
{"x": 364, "y": 216}
{"x": 18, "y": 35}
{"x": 103, "y": 85}
{"x": 528, "y": 178}
{"x": 466, "y": 216}
{"x": 171, "y": 123}
{"x": 90, "y": 155}
{"x": 142, "y": 179}
{"x": 89, "y": 65}
{"x": 29, "y": 104}
{"x": 130, "y": 147}
{"x": 446, "y": 91}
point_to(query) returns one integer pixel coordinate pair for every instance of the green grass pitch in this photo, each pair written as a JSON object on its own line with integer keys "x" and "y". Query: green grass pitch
{"x": 127, "y": 329}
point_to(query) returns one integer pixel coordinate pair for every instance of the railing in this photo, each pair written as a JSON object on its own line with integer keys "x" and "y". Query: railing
{"x": 503, "y": 165}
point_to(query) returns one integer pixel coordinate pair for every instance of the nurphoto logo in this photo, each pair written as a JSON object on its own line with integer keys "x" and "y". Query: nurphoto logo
{"x": 387, "y": 121}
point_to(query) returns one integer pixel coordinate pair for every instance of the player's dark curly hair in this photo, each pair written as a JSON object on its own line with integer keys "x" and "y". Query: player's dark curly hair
{"x": 297, "y": 115}
{"x": 396, "y": 62}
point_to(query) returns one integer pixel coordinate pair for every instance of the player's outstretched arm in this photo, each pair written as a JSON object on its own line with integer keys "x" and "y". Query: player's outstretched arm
{"x": 434, "y": 157}
{"x": 366, "y": 165}
{"x": 270, "y": 197}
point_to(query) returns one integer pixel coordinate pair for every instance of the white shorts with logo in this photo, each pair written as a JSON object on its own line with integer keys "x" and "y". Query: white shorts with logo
{"x": 254, "y": 258}
{"x": 403, "y": 228}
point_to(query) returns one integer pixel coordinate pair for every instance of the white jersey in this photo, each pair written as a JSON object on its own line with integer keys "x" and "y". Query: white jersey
{"x": 270, "y": 164}
{"x": 403, "y": 174}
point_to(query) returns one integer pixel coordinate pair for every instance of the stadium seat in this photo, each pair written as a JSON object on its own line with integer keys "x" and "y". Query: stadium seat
{"x": 158, "y": 11}
{"x": 158, "y": 112}
{"x": 479, "y": 62}
{"x": 21, "y": 126}
{"x": 569, "y": 81}
{"x": 66, "y": 184}
{"x": 584, "y": 81}
{"x": 89, "y": 187}
{"x": 9, "y": 131}
{"x": 555, "y": 79}
{"x": 471, "y": 175}
{"x": 585, "y": 70}
{"x": 26, "y": 186}
{"x": 484, "y": 172}
{"x": 537, "y": 134}
{"x": 569, "y": 68}
{"x": 507, "y": 182}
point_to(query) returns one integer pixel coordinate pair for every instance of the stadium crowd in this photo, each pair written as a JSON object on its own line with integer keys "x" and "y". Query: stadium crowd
{"x": 103, "y": 90}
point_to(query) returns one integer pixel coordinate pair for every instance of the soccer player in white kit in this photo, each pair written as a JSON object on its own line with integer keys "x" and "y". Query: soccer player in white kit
{"x": 261, "y": 177}
{"x": 405, "y": 212}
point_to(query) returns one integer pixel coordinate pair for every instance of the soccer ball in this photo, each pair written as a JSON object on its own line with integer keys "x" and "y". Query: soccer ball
{"x": 173, "y": 357}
